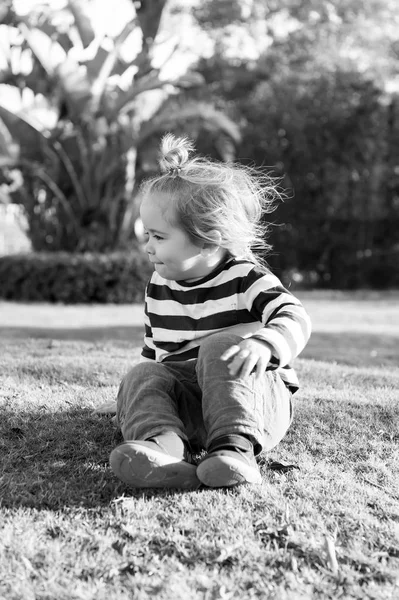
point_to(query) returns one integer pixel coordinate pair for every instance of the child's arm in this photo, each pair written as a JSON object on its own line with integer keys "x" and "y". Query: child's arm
{"x": 148, "y": 350}
{"x": 285, "y": 331}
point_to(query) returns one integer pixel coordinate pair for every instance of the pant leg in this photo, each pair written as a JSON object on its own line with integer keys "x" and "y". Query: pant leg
{"x": 157, "y": 397}
{"x": 260, "y": 409}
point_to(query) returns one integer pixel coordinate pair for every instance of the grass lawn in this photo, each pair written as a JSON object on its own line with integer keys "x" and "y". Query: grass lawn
{"x": 70, "y": 530}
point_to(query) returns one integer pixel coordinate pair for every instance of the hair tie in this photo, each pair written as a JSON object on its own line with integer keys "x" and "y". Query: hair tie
{"x": 174, "y": 171}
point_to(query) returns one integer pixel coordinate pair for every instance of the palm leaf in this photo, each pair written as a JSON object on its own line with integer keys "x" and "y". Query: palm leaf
{"x": 36, "y": 169}
{"x": 76, "y": 87}
{"x": 7, "y": 13}
{"x": 108, "y": 65}
{"x": 149, "y": 14}
{"x": 34, "y": 144}
{"x": 144, "y": 84}
{"x": 60, "y": 67}
{"x": 5, "y": 140}
{"x": 82, "y": 22}
{"x": 73, "y": 175}
{"x": 151, "y": 81}
{"x": 46, "y": 50}
{"x": 49, "y": 28}
{"x": 200, "y": 114}
{"x": 95, "y": 63}
{"x": 189, "y": 80}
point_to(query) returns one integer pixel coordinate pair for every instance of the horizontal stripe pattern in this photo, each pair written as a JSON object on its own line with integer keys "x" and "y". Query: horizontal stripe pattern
{"x": 238, "y": 297}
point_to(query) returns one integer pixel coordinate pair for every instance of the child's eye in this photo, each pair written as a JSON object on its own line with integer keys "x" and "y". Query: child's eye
{"x": 146, "y": 235}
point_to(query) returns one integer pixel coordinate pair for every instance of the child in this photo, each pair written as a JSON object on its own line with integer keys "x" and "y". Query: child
{"x": 220, "y": 332}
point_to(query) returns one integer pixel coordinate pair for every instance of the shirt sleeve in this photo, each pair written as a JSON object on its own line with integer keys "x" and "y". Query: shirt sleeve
{"x": 148, "y": 349}
{"x": 286, "y": 326}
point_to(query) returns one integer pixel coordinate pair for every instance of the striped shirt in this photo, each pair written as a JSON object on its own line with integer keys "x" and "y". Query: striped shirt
{"x": 237, "y": 297}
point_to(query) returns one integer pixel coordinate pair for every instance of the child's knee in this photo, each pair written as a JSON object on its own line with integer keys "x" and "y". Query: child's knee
{"x": 214, "y": 345}
{"x": 142, "y": 371}
{"x": 137, "y": 377}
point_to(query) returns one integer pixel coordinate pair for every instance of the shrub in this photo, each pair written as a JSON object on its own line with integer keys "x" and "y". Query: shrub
{"x": 332, "y": 135}
{"x": 338, "y": 253}
{"x": 336, "y": 138}
{"x": 74, "y": 278}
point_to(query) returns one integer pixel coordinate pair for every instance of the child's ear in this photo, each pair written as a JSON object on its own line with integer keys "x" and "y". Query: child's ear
{"x": 210, "y": 248}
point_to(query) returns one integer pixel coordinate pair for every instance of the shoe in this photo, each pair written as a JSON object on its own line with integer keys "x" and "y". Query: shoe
{"x": 157, "y": 462}
{"x": 230, "y": 461}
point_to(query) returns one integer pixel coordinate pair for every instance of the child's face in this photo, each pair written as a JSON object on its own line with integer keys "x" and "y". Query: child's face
{"x": 169, "y": 248}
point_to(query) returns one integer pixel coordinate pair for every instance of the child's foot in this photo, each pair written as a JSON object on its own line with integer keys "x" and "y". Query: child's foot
{"x": 159, "y": 462}
{"x": 230, "y": 461}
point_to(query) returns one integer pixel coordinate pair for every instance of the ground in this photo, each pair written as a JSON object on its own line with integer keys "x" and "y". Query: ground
{"x": 327, "y": 527}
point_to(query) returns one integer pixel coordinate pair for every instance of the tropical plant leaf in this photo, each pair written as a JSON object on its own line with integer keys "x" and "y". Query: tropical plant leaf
{"x": 52, "y": 31}
{"x": 88, "y": 163}
{"x": 95, "y": 63}
{"x": 143, "y": 84}
{"x": 152, "y": 81}
{"x": 73, "y": 175}
{"x": 149, "y": 14}
{"x": 60, "y": 67}
{"x": 75, "y": 84}
{"x": 107, "y": 67}
{"x": 33, "y": 143}
{"x": 5, "y": 140}
{"x": 46, "y": 50}
{"x": 82, "y": 22}
{"x": 7, "y": 14}
{"x": 189, "y": 80}
{"x": 37, "y": 170}
{"x": 200, "y": 114}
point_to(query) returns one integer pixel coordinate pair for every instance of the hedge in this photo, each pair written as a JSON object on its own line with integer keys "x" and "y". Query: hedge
{"x": 74, "y": 278}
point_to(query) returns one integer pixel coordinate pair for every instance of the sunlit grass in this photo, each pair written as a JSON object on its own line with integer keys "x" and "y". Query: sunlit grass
{"x": 70, "y": 530}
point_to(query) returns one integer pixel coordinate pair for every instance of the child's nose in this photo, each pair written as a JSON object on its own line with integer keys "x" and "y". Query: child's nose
{"x": 148, "y": 247}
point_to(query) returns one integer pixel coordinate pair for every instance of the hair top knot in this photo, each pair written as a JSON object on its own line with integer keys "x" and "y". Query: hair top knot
{"x": 175, "y": 153}
{"x": 174, "y": 171}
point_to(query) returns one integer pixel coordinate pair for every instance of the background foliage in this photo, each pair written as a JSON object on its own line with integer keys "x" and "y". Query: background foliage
{"x": 96, "y": 90}
{"x": 308, "y": 90}
{"x": 320, "y": 106}
{"x": 117, "y": 277}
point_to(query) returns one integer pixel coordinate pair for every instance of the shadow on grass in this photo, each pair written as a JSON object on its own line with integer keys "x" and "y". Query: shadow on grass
{"x": 53, "y": 461}
{"x": 57, "y": 460}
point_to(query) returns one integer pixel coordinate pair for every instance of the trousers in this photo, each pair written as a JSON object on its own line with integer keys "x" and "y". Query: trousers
{"x": 200, "y": 401}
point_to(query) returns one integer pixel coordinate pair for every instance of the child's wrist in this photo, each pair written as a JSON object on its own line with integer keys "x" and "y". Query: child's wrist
{"x": 263, "y": 341}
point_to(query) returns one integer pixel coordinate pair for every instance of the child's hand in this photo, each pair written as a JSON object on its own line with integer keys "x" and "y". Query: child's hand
{"x": 249, "y": 355}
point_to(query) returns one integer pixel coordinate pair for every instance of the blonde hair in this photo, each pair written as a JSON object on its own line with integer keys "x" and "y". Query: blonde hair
{"x": 209, "y": 195}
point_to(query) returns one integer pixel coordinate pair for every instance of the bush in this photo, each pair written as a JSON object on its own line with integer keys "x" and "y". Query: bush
{"x": 332, "y": 135}
{"x": 74, "y": 278}
{"x": 338, "y": 253}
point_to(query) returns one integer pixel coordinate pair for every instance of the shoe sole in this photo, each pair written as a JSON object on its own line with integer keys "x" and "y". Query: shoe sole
{"x": 142, "y": 467}
{"x": 225, "y": 471}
